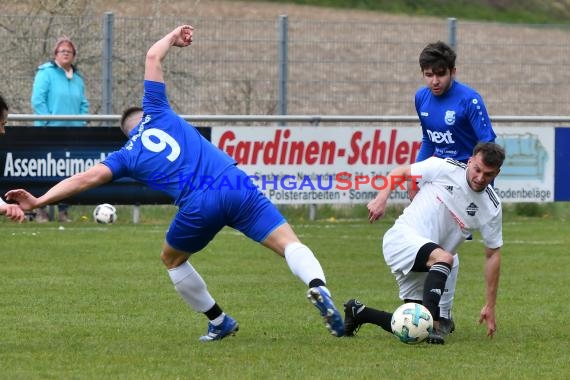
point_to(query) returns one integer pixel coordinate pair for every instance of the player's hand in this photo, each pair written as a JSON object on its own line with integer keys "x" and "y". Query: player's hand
{"x": 412, "y": 193}
{"x": 25, "y": 200}
{"x": 14, "y": 212}
{"x": 488, "y": 315}
{"x": 413, "y": 189}
{"x": 376, "y": 209}
{"x": 182, "y": 35}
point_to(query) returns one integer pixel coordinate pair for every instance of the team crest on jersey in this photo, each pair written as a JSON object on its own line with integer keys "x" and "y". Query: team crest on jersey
{"x": 449, "y": 117}
{"x": 472, "y": 209}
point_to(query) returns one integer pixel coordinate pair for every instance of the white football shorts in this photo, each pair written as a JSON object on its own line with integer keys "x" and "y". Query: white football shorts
{"x": 400, "y": 247}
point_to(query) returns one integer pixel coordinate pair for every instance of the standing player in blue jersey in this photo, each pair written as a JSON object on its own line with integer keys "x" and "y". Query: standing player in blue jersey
{"x": 454, "y": 119}
{"x": 453, "y": 115}
{"x": 166, "y": 152}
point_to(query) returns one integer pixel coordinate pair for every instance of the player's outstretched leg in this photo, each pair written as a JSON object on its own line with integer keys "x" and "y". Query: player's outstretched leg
{"x": 351, "y": 309}
{"x": 356, "y": 314}
{"x": 433, "y": 288}
{"x": 305, "y": 265}
{"x": 192, "y": 288}
{"x": 435, "y": 338}
{"x": 320, "y": 297}
{"x": 446, "y": 322}
{"x": 229, "y": 326}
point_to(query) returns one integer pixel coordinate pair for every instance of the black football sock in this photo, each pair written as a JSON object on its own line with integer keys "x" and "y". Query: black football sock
{"x": 316, "y": 282}
{"x": 434, "y": 286}
{"x": 377, "y": 317}
{"x": 214, "y": 312}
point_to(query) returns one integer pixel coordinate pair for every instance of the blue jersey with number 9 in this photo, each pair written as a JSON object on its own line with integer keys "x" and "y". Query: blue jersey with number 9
{"x": 166, "y": 152}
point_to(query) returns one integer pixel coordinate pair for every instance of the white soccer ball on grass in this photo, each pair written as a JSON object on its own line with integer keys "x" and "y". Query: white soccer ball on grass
{"x": 105, "y": 214}
{"x": 412, "y": 323}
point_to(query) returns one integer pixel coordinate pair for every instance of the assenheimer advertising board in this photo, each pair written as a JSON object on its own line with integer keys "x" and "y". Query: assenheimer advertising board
{"x": 36, "y": 158}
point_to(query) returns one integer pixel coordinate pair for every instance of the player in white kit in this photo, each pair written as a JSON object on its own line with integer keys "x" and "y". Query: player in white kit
{"x": 455, "y": 199}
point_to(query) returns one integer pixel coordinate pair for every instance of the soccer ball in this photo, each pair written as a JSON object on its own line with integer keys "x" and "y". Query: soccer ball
{"x": 105, "y": 214}
{"x": 412, "y": 323}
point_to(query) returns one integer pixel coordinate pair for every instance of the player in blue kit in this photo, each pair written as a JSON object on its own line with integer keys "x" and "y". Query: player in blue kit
{"x": 169, "y": 154}
{"x": 454, "y": 119}
{"x": 453, "y": 116}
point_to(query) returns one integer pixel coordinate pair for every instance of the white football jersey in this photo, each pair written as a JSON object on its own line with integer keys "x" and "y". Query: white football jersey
{"x": 445, "y": 210}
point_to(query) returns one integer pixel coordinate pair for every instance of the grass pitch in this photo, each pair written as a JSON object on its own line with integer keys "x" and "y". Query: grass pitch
{"x": 94, "y": 302}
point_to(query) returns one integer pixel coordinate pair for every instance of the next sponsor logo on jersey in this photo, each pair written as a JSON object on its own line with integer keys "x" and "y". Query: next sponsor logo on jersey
{"x": 441, "y": 137}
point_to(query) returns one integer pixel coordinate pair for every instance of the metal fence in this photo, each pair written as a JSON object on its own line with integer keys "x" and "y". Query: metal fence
{"x": 297, "y": 67}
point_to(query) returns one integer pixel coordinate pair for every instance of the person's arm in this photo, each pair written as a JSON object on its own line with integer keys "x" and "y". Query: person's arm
{"x": 427, "y": 149}
{"x": 39, "y": 98}
{"x": 84, "y": 108}
{"x": 397, "y": 178}
{"x": 84, "y": 105}
{"x": 180, "y": 37}
{"x": 492, "y": 274}
{"x": 80, "y": 182}
{"x": 480, "y": 120}
{"x": 13, "y": 212}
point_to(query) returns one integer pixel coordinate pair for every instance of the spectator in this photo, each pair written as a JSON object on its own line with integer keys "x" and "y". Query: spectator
{"x": 59, "y": 90}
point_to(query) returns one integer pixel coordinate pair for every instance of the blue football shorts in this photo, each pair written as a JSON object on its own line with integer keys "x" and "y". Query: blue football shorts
{"x": 232, "y": 200}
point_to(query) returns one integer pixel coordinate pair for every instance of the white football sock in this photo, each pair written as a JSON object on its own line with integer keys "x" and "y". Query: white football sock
{"x": 303, "y": 263}
{"x": 191, "y": 287}
{"x": 446, "y": 301}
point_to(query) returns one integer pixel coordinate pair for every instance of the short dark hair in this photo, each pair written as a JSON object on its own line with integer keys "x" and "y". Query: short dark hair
{"x": 3, "y": 104}
{"x": 492, "y": 154}
{"x": 437, "y": 55}
{"x": 126, "y": 114}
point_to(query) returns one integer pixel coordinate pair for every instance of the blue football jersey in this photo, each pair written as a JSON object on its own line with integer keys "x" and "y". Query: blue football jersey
{"x": 452, "y": 123}
{"x": 166, "y": 152}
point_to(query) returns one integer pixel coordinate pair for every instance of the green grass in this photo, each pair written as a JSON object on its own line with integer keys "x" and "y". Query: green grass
{"x": 94, "y": 302}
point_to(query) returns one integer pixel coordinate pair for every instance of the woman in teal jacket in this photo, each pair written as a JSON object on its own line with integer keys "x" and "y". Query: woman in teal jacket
{"x": 59, "y": 88}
